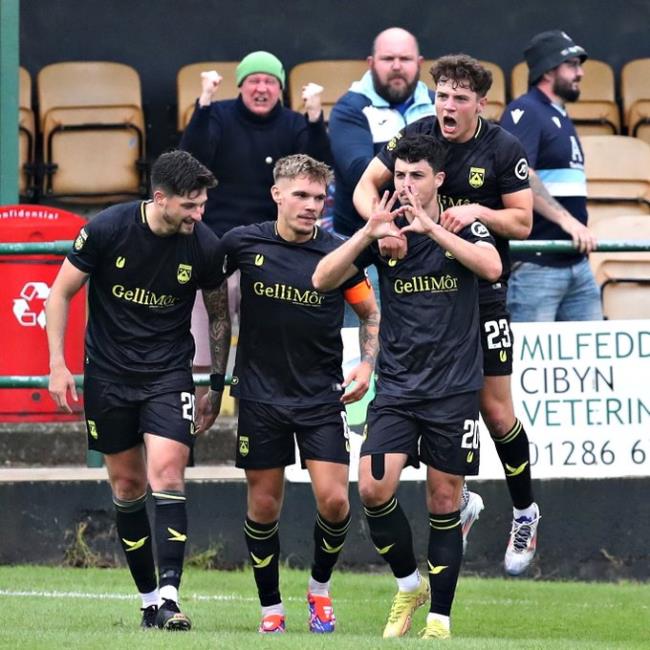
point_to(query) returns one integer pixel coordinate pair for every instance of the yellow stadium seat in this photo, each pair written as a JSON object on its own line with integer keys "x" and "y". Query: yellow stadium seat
{"x": 624, "y": 278}
{"x": 496, "y": 97}
{"x": 596, "y": 112}
{"x": 91, "y": 119}
{"x": 635, "y": 93}
{"x": 188, "y": 86}
{"x": 26, "y": 134}
{"x": 618, "y": 175}
{"x": 336, "y": 77}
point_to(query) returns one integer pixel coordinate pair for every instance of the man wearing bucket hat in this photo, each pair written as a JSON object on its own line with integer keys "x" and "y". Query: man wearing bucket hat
{"x": 240, "y": 140}
{"x": 547, "y": 286}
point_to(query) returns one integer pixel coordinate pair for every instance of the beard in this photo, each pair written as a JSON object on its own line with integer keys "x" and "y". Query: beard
{"x": 391, "y": 94}
{"x": 563, "y": 89}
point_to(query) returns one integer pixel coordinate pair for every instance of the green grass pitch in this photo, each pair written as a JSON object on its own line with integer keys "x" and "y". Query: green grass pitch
{"x": 45, "y": 607}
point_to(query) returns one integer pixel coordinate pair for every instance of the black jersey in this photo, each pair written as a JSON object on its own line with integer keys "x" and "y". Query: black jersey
{"x": 480, "y": 170}
{"x": 141, "y": 292}
{"x": 429, "y": 337}
{"x": 289, "y": 351}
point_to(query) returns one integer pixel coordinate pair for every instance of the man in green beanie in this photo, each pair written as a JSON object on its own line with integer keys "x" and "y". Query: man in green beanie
{"x": 240, "y": 140}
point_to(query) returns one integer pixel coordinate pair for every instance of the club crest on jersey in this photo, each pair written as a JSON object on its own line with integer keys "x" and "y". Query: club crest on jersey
{"x": 92, "y": 429}
{"x": 80, "y": 240}
{"x": 184, "y": 273}
{"x": 476, "y": 177}
{"x": 243, "y": 446}
{"x": 259, "y": 259}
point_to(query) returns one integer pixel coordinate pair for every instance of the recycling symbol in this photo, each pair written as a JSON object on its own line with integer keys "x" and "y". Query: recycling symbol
{"x": 29, "y": 309}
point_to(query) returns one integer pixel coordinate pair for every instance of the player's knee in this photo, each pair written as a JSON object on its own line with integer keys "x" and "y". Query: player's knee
{"x": 264, "y": 508}
{"x": 373, "y": 493}
{"x": 498, "y": 418}
{"x": 334, "y": 507}
{"x": 128, "y": 488}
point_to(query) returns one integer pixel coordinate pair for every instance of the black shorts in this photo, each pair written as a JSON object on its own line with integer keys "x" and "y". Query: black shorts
{"x": 265, "y": 434}
{"x": 117, "y": 415}
{"x": 442, "y": 433}
{"x": 496, "y": 338}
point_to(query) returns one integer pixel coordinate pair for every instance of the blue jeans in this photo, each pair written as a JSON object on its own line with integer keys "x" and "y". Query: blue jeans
{"x": 550, "y": 293}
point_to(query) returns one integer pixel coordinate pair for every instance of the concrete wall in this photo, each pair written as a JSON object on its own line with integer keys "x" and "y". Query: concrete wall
{"x": 157, "y": 38}
{"x": 589, "y": 529}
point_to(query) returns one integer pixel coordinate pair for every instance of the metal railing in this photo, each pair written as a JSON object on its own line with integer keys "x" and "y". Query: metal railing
{"x": 94, "y": 459}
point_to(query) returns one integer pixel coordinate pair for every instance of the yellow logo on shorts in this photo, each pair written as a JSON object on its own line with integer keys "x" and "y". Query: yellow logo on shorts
{"x": 364, "y": 435}
{"x": 470, "y": 456}
{"x": 243, "y": 445}
{"x": 192, "y": 429}
{"x": 476, "y": 177}
{"x": 92, "y": 429}
{"x": 184, "y": 273}
{"x": 503, "y": 356}
{"x": 259, "y": 259}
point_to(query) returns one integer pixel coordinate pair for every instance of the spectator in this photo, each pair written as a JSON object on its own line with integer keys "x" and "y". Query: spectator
{"x": 240, "y": 140}
{"x": 387, "y": 98}
{"x": 552, "y": 286}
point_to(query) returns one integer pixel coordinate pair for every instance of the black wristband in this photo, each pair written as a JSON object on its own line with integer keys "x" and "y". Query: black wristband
{"x": 217, "y": 382}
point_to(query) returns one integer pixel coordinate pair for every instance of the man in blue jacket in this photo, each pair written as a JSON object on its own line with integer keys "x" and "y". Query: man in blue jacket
{"x": 388, "y": 97}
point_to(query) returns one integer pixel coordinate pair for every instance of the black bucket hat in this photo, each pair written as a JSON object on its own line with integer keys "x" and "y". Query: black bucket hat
{"x": 547, "y": 50}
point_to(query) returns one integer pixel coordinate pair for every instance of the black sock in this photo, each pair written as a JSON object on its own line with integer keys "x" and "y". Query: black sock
{"x": 514, "y": 454}
{"x": 134, "y": 532}
{"x": 171, "y": 536}
{"x": 263, "y": 541}
{"x": 328, "y": 543}
{"x": 444, "y": 557}
{"x": 391, "y": 534}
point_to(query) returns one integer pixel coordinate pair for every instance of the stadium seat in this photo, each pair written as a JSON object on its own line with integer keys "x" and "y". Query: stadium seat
{"x": 635, "y": 93}
{"x": 618, "y": 176}
{"x": 624, "y": 278}
{"x": 336, "y": 78}
{"x": 496, "y": 99}
{"x": 26, "y": 135}
{"x": 188, "y": 86}
{"x": 596, "y": 112}
{"x": 93, "y": 128}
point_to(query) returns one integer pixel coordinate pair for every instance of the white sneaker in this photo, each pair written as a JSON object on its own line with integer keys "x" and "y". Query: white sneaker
{"x": 522, "y": 544}
{"x": 469, "y": 514}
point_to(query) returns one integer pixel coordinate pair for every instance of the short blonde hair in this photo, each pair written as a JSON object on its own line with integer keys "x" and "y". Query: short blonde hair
{"x": 300, "y": 164}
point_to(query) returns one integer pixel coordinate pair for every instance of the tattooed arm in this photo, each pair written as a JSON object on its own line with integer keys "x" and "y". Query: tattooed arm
{"x": 368, "y": 314}
{"x": 216, "y": 304}
{"x": 551, "y": 209}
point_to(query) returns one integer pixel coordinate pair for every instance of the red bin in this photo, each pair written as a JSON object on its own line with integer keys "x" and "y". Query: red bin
{"x": 26, "y": 282}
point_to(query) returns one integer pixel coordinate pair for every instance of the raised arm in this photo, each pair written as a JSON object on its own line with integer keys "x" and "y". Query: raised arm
{"x": 68, "y": 282}
{"x": 482, "y": 258}
{"x": 216, "y": 304}
{"x": 366, "y": 193}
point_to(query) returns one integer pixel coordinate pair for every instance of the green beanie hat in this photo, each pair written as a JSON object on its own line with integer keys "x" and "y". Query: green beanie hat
{"x": 260, "y": 61}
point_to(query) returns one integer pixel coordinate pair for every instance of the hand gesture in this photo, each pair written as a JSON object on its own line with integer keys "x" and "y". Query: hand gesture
{"x": 382, "y": 220}
{"x": 419, "y": 221}
{"x": 207, "y": 410}
{"x": 210, "y": 80}
{"x": 360, "y": 375}
{"x": 61, "y": 381}
{"x": 312, "y": 95}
